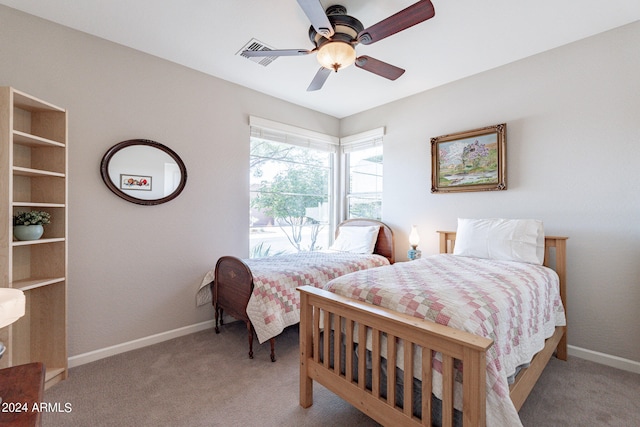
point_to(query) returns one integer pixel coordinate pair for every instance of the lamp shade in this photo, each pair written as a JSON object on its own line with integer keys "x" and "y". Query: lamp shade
{"x": 336, "y": 55}
{"x": 12, "y": 302}
{"x": 414, "y": 238}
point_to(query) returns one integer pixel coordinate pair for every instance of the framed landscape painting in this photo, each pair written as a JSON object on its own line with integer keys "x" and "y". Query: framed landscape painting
{"x": 474, "y": 160}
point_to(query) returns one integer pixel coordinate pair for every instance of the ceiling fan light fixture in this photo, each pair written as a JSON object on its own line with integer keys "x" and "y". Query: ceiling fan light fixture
{"x": 336, "y": 55}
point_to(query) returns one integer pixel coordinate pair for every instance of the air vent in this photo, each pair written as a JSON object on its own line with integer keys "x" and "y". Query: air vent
{"x": 256, "y": 45}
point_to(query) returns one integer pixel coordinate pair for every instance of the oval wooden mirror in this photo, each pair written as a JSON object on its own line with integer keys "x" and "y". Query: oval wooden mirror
{"x": 143, "y": 171}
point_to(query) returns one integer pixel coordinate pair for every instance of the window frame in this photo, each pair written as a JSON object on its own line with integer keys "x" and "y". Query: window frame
{"x": 303, "y": 138}
{"x": 349, "y": 144}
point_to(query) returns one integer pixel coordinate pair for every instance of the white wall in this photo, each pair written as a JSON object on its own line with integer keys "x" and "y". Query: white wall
{"x": 573, "y": 146}
{"x": 573, "y": 142}
{"x": 134, "y": 270}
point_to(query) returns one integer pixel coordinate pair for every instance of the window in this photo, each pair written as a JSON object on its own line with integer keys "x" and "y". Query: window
{"x": 363, "y": 174}
{"x": 291, "y": 182}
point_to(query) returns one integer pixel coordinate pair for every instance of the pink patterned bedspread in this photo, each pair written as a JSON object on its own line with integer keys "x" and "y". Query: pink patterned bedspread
{"x": 275, "y": 303}
{"x": 517, "y": 305}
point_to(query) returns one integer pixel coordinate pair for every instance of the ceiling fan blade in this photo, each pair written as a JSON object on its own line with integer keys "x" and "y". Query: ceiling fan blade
{"x": 412, "y": 15}
{"x": 317, "y": 16}
{"x": 319, "y": 79}
{"x": 378, "y": 67}
{"x": 276, "y": 52}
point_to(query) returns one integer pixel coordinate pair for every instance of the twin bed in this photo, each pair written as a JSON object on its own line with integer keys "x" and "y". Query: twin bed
{"x": 486, "y": 320}
{"x": 262, "y": 291}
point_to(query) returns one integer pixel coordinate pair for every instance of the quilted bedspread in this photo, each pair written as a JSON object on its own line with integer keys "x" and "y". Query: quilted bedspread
{"x": 517, "y": 305}
{"x": 275, "y": 303}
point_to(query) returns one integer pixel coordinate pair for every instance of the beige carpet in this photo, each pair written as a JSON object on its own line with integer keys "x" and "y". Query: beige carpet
{"x": 206, "y": 379}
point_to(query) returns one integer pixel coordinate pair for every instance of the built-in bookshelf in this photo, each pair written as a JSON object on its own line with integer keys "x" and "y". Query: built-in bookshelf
{"x": 33, "y": 159}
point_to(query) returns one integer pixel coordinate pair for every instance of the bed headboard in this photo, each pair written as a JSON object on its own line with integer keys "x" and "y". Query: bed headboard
{"x": 448, "y": 242}
{"x": 384, "y": 244}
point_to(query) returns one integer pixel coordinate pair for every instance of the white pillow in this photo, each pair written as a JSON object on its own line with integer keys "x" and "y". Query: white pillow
{"x": 357, "y": 240}
{"x": 519, "y": 240}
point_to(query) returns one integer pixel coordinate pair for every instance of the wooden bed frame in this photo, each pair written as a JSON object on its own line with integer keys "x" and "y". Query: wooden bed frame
{"x": 452, "y": 343}
{"x": 233, "y": 281}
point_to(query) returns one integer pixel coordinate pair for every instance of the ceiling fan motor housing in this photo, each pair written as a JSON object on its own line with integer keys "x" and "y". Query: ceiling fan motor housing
{"x": 346, "y": 27}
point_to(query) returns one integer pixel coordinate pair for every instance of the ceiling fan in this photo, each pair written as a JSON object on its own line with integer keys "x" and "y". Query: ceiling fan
{"x": 336, "y": 34}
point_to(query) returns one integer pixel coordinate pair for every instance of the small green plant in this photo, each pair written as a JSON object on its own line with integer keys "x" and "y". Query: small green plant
{"x": 260, "y": 251}
{"x": 32, "y": 218}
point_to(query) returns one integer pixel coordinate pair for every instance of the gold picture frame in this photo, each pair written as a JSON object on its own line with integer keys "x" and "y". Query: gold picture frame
{"x": 473, "y": 160}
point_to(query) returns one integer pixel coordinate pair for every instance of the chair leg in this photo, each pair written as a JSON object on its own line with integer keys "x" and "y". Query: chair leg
{"x": 250, "y": 332}
{"x": 272, "y": 341}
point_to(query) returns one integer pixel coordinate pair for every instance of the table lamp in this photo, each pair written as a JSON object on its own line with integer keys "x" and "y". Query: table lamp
{"x": 414, "y": 239}
{"x": 12, "y": 302}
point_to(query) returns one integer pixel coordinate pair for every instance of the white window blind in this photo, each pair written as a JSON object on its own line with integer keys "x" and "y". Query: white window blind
{"x": 362, "y": 140}
{"x": 280, "y": 132}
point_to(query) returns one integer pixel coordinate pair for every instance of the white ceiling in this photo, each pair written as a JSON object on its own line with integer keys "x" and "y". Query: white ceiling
{"x": 464, "y": 38}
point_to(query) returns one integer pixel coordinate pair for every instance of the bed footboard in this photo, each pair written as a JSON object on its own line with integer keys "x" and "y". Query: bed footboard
{"x": 321, "y": 309}
{"x": 231, "y": 289}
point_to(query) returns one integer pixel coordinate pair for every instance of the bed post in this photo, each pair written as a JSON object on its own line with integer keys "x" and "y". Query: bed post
{"x": 306, "y": 348}
{"x": 447, "y": 241}
{"x": 560, "y": 243}
{"x": 474, "y": 410}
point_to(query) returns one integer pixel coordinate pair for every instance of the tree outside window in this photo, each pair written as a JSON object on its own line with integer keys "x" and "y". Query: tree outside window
{"x": 290, "y": 198}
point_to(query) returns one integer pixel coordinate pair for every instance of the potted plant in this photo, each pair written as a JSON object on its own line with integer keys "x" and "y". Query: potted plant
{"x": 29, "y": 225}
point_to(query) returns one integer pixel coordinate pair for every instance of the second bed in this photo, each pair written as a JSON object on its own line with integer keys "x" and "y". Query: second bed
{"x": 262, "y": 291}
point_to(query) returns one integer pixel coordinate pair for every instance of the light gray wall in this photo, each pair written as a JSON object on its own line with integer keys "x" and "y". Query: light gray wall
{"x": 573, "y": 143}
{"x": 134, "y": 270}
{"x": 573, "y": 146}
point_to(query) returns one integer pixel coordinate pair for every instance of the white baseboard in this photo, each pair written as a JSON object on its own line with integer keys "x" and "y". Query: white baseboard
{"x": 604, "y": 359}
{"x": 92, "y": 356}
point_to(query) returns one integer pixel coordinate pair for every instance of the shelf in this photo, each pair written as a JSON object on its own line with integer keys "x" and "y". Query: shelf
{"x": 37, "y": 205}
{"x": 24, "y": 138}
{"x": 39, "y": 188}
{"x": 18, "y": 170}
{"x": 29, "y": 103}
{"x": 40, "y": 334}
{"x": 56, "y": 229}
{"x": 28, "y": 284}
{"x": 37, "y": 266}
{"x": 37, "y": 242}
{"x": 37, "y": 121}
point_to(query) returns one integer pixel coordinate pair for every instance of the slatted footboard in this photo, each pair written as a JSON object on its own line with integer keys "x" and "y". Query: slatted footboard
{"x": 321, "y": 309}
